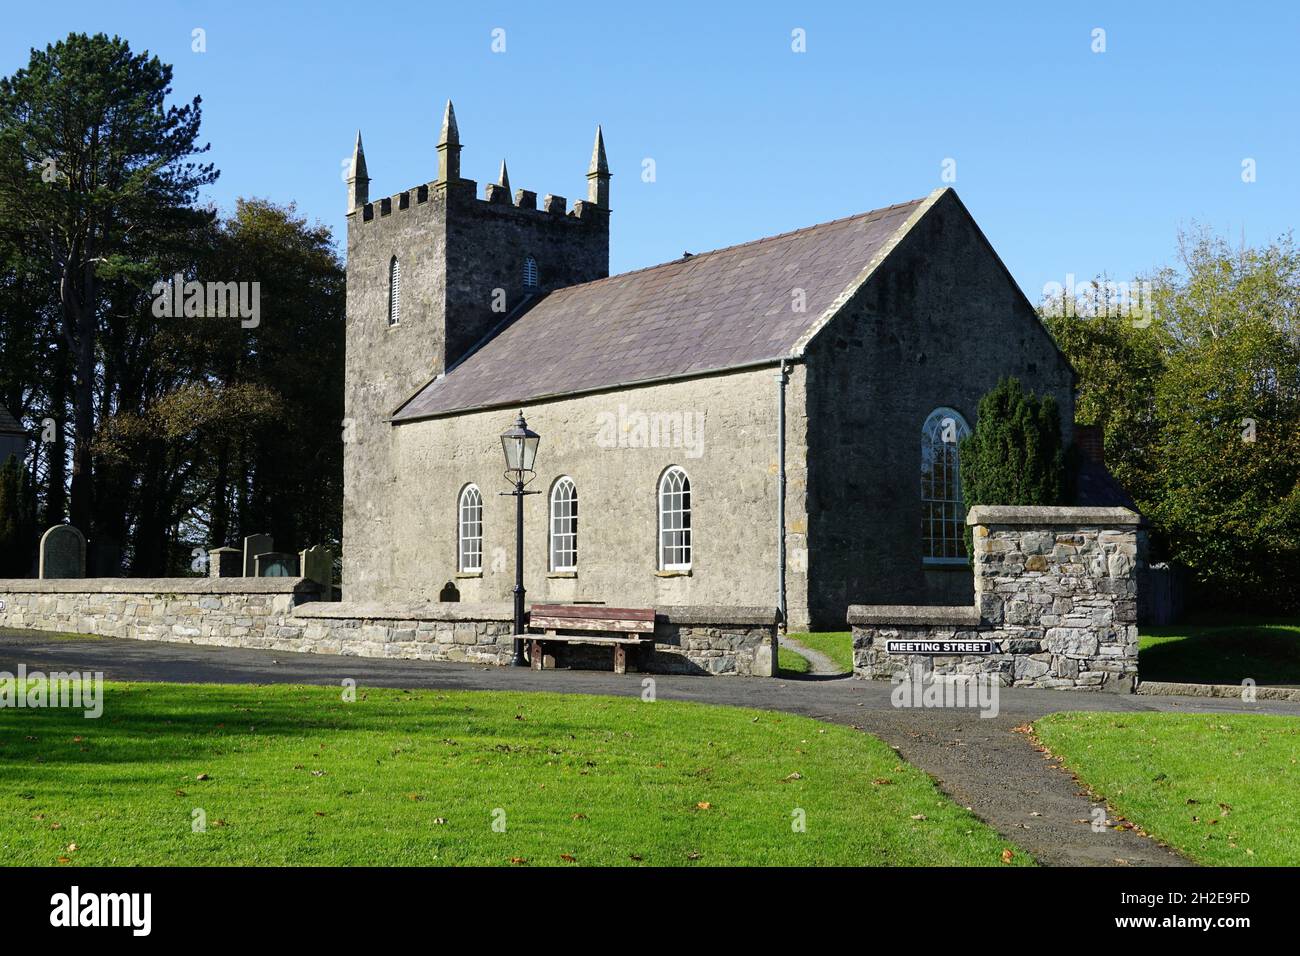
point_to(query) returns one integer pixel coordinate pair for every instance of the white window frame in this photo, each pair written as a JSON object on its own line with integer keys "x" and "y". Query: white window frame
{"x": 675, "y": 507}
{"x": 394, "y": 292}
{"x": 943, "y": 514}
{"x": 469, "y": 530}
{"x": 532, "y": 277}
{"x": 563, "y": 536}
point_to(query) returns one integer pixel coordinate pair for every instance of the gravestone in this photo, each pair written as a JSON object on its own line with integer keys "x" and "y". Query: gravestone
{"x": 276, "y": 564}
{"x": 225, "y": 563}
{"x": 254, "y": 545}
{"x": 317, "y": 564}
{"x": 63, "y": 553}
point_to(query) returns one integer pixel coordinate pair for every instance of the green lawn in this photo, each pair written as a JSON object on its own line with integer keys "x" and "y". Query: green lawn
{"x": 1222, "y": 788}
{"x": 1222, "y": 652}
{"x": 294, "y": 775}
{"x": 837, "y": 645}
{"x": 791, "y": 661}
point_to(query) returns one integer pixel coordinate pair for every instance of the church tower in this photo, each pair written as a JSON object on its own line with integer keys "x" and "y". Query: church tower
{"x": 432, "y": 272}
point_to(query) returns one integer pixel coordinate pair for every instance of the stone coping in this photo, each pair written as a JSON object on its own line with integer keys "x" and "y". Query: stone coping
{"x": 920, "y": 614}
{"x": 196, "y": 585}
{"x": 717, "y": 614}
{"x": 1022, "y": 515}
{"x": 398, "y": 611}
{"x": 503, "y": 611}
{"x": 1228, "y": 691}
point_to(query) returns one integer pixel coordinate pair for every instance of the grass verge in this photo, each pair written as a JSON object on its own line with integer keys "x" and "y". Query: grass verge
{"x": 1222, "y": 652}
{"x": 837, "y": 645}
{"x": 295, "y": 775}
{"x": 1219, "y": 787}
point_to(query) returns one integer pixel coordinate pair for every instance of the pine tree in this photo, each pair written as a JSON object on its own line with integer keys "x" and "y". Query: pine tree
{"x": 17, "y": 529}
{"x": 1015, "y": 454}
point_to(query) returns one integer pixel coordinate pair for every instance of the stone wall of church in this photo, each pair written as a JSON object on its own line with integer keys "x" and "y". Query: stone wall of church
{"x": 1055, "y": 606}
{"x": 455, "y": 251}
{"x": 615, "y": 446}
{"x": 285, "y": 614}
{"x": 938, "y": 324}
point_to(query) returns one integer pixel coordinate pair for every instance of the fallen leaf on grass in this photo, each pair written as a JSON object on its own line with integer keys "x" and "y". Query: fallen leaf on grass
{"x": 579, "y": 816}
{"x": 795, "y": 776}
{"x": 704, "y": 805}
{"x": 568, "y": 858}
{"x": 1007, "y": 856}
{"x": 882, "y": 781}
{"x": 202, "y": 776}
{"x": 693, "y": 855}
{"x": 518, "y": 860}
{"x": 919, "y": 816}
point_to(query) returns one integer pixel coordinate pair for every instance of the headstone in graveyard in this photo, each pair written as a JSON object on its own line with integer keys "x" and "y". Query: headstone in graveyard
{"x": 277, "y": 564}
{"x": 63, "y": 553}
{"x": 225, "y": 563}
{"x": 254, "y": 545}
{"x": 317, "y": 564}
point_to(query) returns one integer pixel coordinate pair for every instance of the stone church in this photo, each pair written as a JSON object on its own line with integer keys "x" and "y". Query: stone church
{"x": 772, "y": 424}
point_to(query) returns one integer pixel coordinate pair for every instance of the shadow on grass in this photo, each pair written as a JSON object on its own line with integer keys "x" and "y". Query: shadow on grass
{"x": 1217, "y": 652}
{"x": 143, "y": 724}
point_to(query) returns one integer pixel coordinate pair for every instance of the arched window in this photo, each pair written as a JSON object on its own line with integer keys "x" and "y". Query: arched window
{"x": 943, "y": 516}
{"x": 471, "y": 529}
{"x": 674, "y": 521}
{"x": 530, "y": 273}
{"x": 564, "y": 525}
{"x": 394, "y": 291}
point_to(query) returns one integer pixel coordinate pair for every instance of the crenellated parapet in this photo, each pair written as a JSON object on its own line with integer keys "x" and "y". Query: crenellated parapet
{"x": 463, "y": 192}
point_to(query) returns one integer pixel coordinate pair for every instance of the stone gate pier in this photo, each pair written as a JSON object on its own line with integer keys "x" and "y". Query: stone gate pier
{"x": 1055, "y": 606}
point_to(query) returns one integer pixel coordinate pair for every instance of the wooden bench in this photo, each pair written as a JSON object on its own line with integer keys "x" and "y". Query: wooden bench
{"x": 617, "y": 627}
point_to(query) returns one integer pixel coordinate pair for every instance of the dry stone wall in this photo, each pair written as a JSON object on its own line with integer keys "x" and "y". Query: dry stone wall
{"x": 1055, "y": 606}
{"x": 285, "y": 614}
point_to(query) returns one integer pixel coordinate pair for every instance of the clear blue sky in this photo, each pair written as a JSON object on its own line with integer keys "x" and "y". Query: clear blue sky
{"x": 1072, "y": 161}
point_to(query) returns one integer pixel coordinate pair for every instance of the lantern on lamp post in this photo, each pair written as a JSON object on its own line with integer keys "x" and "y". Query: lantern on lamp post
{"x": 519, "y": 443}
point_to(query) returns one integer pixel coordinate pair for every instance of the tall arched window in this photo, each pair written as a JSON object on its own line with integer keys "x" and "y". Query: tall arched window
{"x": 394, "y": 291}
{"x": 943, "y": 516}
{"x": 530, "y": 273}
{"x": 564, "y": 525}
{"x": 470, "y": 534}
{"x": 674, "y": 521}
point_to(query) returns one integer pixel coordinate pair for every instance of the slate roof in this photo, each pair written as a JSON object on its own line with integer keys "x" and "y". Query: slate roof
{"x": 8, "y": 424}
{"x": 710, "y": 312}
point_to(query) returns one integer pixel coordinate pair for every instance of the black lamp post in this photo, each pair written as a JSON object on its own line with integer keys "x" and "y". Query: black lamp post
{"x": 520, "y": 445}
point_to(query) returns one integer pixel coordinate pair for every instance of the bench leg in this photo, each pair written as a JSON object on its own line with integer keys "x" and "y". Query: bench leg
{"x": 620, "y": 658}
{"x": 536, "y": 655}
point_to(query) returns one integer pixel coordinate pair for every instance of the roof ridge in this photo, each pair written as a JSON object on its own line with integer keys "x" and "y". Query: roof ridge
{"x": 741, "y": 245}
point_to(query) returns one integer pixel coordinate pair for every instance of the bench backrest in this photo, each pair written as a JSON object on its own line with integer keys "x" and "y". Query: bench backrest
{"x": 593, "y": 617}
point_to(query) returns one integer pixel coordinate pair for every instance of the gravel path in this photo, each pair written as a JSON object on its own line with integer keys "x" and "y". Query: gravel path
{"x": 987, "y": 764}
{"x": 822, "y": 666}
